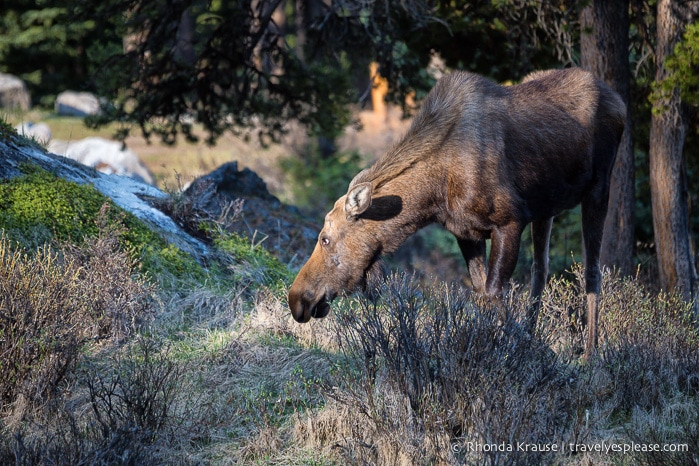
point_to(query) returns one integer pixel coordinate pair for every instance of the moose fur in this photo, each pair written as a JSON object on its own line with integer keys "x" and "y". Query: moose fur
{"x": 484, "y": 161}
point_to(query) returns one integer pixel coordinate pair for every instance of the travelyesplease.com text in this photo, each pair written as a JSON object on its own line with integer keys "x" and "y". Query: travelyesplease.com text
{"x": 601, "y": 447}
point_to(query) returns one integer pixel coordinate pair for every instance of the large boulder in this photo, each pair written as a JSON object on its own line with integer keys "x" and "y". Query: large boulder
{"x": 13, "y": 93}
{"x": 107, "y": 156}
{"x": 131, "y": 195}
{"x": 81, "y": 104}
{"x": 230, "y": 183}
{"x": 259, "y": 215}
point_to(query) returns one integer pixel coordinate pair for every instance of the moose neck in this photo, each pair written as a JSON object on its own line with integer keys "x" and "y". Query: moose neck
{"x": 415, "y": 197}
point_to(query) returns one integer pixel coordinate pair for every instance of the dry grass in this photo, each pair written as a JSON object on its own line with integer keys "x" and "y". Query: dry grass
{"x": 407, "y": 377}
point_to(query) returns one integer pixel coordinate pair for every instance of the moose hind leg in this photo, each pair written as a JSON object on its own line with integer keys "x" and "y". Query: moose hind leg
{"x": 594, "y": 211}
{"x": 541, "y": 234}
{"x": 474, "y": 254}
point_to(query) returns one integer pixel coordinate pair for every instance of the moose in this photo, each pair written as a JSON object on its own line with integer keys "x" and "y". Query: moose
{"x": 484, "y": 161}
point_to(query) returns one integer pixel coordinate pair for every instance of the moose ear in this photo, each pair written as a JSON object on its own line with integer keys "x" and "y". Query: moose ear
{"x": 358, "y": 199}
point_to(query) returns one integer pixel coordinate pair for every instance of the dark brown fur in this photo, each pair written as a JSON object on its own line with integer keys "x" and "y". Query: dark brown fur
{"x": 484, "y": 161}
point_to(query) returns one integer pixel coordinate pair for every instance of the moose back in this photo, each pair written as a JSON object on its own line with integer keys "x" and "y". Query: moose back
{"x": 484, "y": 161}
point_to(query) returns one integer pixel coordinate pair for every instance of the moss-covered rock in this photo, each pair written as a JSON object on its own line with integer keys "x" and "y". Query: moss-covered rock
{"x": 38, "y": 207}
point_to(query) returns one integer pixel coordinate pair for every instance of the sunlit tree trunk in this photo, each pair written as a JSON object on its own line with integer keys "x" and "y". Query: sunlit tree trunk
{"x": 604, "y": 48}
{"x": 668, "y": 183}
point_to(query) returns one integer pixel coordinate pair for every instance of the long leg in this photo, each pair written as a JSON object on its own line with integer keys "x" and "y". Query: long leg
{"x": 474, "y": 254}
{"x": 594, "y": 211}
{"x": 541, "y": 234}
{"x": 504, "y": 251}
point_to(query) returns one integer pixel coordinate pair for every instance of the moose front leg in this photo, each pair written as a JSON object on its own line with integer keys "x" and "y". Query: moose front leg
{"x": 541, "y": 234}
{"x": 504, "y": 249}
{"x": 474, "y": 255}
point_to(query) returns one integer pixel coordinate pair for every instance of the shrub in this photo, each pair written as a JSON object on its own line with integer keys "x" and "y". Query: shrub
{"x": 430, "y": 373}
{"x": 135, "y": 393}
{"x": 463, "y": 375}
{"x": 129, "y": 415}
{"x": 39, "y": 343}
{"x": 55, "y": 301}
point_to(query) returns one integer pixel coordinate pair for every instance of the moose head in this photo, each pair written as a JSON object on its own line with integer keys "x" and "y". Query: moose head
{"x": 347, "y": 251}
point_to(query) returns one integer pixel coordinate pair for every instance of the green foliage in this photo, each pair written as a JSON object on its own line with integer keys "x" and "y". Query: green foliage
{"x": 38, "y": 206}
{"x": 317, "y": 181}
{"x": 682, "y": 70}
{"x": 218, "y": 62}
{"x": 44, "y": 44}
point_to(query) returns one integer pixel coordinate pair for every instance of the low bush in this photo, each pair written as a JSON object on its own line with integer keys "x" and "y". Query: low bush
{"x": 431, "y": 375}
{"x": 133, "y": 397}
{"x": 130, "y": 414}
{"x": 56, "y": 300}
{"x": 433, "y": 362}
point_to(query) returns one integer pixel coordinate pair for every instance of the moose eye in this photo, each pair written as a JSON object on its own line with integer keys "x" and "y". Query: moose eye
{"x": 324, "y": 240}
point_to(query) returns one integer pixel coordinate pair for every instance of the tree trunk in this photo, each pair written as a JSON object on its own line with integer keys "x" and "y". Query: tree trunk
{"x": 604, "y": 48}
{"x": 668, "y": 185}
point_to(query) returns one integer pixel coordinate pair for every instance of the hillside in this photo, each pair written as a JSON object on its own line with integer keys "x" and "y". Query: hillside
{"x": 127, "y": 337}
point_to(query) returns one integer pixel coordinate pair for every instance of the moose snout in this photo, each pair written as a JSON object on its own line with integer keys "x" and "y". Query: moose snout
{"x": 304, "y": 305}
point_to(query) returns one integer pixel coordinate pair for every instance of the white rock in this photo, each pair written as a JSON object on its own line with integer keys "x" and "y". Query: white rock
{"x": 13, "y": 93}
{"x": 107, "y": 156}
{"x": 71, "y": 103}
{"x": 40, "y": 132}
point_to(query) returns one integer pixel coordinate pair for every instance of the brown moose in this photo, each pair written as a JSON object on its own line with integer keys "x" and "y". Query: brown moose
{"x": 483, "y": 160}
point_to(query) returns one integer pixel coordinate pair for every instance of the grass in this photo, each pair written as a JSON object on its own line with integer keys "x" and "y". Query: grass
{"x": 408, "y": 377}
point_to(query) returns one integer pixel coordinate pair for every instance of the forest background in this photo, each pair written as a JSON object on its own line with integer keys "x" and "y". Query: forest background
{"x": 256, "y": 65}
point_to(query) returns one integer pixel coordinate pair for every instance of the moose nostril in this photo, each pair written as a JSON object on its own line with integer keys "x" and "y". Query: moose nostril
{"x": 298, "y": 304}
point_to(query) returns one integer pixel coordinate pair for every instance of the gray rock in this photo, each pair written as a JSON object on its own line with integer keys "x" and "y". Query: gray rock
{"x": 13, "y": 93}
{"x": 81, "y": 104}
{"x": 106, "y": 156}
{"x": 40, "y": 132}
{"x": 229, "y": 182}
{"x": 261, "y": 217}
